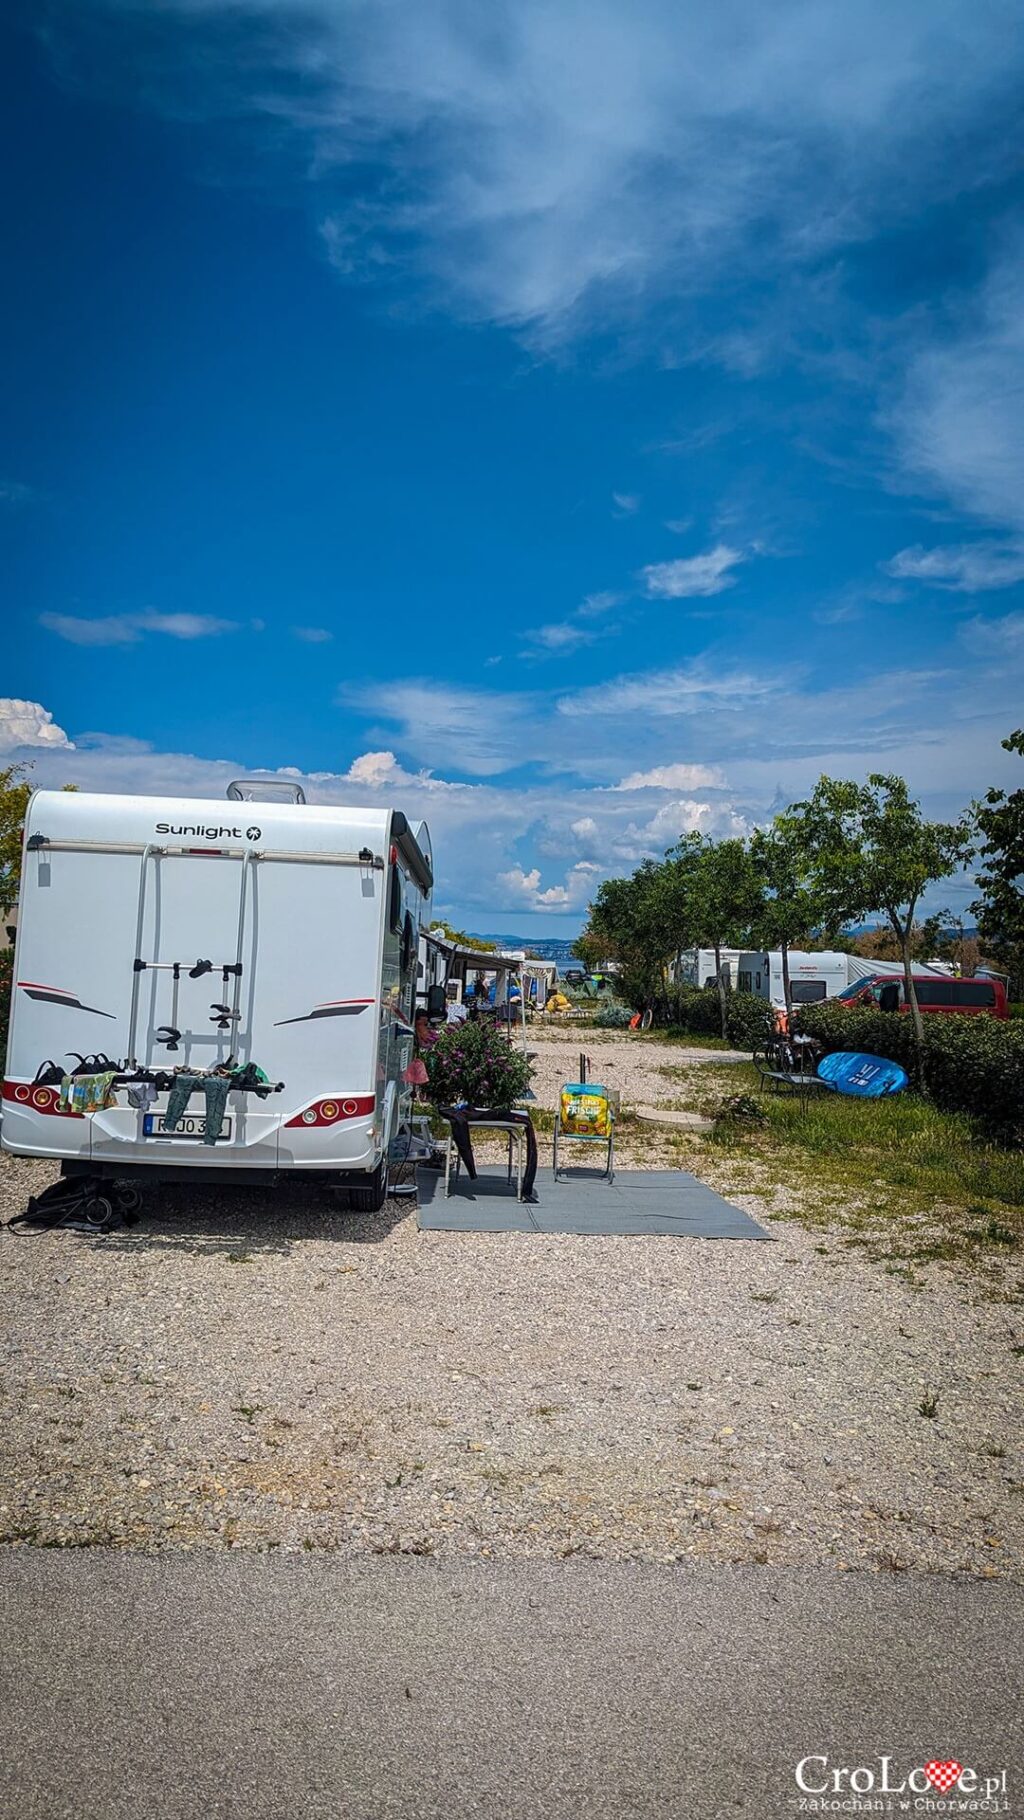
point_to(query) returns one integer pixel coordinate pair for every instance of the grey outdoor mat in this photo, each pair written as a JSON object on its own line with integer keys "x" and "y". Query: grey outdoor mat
{"x": 657, "y": 1201}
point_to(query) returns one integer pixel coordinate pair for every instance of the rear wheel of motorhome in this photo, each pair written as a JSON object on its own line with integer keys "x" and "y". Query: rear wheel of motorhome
{"x": 368, "y": 1199}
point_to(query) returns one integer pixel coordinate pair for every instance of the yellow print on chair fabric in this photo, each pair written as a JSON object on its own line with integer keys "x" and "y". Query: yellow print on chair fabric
{"x": 585, "y": 1115}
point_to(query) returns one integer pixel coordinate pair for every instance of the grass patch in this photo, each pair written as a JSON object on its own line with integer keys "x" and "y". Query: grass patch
{"x": 689, "y": 1039}
{"x": 911, "y": 1182}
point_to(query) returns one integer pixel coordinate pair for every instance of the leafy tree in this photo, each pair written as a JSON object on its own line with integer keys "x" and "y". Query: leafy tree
{"x": 14, "y": 794}
{"x": 15, "y": 791}
{"x": 1000, "y": 908}
{"x": 461, "y": 939}
{"x": 716, "y": 899}
{"x": 631, "y": 921}
{"x": 588, "y": 949}
{"x": 870, "y": 849}
{"x": 951, "y": 944}
{"x": 789, "y": 907}
{"x": 929, "y": 937}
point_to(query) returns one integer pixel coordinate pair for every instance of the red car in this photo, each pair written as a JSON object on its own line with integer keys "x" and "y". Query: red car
{"x": 974, "y": 997}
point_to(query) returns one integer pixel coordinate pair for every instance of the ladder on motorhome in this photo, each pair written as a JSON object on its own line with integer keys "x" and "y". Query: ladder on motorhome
{"x": 226, "y": 1015}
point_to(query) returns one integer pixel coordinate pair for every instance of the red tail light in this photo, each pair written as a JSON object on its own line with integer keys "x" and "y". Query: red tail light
{"x": 37, "y": 1099}
{"x": 336, "y": 1110}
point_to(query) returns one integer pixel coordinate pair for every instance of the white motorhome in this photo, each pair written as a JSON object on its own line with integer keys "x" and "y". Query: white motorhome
{"x": 161, "y": 937}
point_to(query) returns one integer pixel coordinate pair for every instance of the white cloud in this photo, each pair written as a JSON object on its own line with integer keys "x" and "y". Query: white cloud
{"x": 129, "y": 628}
{"x": 577, "y": 628}
{"x": 542, "y": 158}
{"x": 524, "y": 888}
{"x": 110, "y": 631}
{"x": 960, "y": 422}
{"x": 479, "y": 731}
{"x": 674, "y": 819}
{"x": 560, "y": 635}
{"x": 626, "y": 504}
{"x": 690, "y": 576}
{"x": 28, "y": 723}
{"x": 684, "y": 690}
{"x": 997, "y": 638}
{"x": 966, "y": 568}
{"x": 15, "y": 493}
{"x": 940, "y": 729}
{"x": 313, "y": 635}
{"x": 382, "y": 771}
{"x": 560, "y": 168}
{"x": 843, "y": 612}
{"x": 673, "y": 777}
{"x": 595, "y": 606}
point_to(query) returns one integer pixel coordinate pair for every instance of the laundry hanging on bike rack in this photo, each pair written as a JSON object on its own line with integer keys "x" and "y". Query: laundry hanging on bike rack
{"x": 241, "y": 1077}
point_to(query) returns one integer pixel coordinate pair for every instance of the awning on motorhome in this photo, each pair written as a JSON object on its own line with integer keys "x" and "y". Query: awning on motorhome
{"x": 463, "y": 964}
{"x": 460, "y": 961}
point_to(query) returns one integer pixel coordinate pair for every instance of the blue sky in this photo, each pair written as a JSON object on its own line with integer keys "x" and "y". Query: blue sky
{"x": 576, "y": 423}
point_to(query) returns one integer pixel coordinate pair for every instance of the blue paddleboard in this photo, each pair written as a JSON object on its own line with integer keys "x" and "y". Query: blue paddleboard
{"x": 866, "y": 1077}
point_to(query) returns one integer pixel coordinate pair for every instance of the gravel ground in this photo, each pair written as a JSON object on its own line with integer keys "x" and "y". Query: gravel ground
{"x": 254, "y": 1371}
{"x": 629, "y": 1065}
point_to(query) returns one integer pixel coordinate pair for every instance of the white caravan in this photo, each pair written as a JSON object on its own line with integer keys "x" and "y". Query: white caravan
{"x": 698, "y": 966}
{"x": 168, "y": 935}
{"x": 812, "y": 977}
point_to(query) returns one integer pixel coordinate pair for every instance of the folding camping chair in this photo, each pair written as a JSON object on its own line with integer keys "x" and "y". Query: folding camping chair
{"x": 586, "y": 1115}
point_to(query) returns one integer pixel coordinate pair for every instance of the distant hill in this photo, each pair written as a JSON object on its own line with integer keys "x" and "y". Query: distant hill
{"x": 549, "y": 950}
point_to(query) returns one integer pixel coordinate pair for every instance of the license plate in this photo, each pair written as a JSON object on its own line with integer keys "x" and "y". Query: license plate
{"x": 190, "y": 1125}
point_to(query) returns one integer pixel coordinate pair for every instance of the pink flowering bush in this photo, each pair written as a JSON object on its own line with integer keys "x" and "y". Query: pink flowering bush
{"x": 476, "y": 1062}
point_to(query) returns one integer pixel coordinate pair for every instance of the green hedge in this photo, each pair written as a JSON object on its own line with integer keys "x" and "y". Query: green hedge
{"x": 749, "y": 1020}
{"x": 971, "y": 1064}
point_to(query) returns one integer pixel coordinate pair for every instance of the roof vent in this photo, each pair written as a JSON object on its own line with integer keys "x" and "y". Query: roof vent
{"x": 265, "y": 790}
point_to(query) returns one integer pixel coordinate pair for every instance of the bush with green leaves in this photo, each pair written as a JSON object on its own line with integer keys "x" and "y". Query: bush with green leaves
{"x": 739, "y": 1109}
{"x": 748, "y": 1018}
{"x": 613, "y": 1017}
{"x": 693, "y": 1009}
{"x": 475, "y": 1062}
{"x": 971, "y": 1064}
{"x": 870, "y": 1032}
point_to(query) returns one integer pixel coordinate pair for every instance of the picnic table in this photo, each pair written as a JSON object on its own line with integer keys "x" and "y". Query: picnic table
{"x": 788, "y": 1064}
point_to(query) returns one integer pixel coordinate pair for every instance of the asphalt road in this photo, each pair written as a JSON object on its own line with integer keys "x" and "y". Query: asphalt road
{"x": 165, "y": 1687}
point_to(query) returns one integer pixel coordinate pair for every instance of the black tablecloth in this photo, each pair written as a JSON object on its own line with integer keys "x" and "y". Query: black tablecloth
{"x": 461, "y": 1118}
